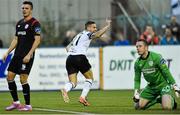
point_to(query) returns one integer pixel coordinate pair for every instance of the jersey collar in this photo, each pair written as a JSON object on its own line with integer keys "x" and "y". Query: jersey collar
{"x": 146, "y": 57}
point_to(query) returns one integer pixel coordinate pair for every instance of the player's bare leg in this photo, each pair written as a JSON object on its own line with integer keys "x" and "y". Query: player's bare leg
{"x": 87, "y": 86}
{"x": 157, "y": 100}
{"x": 142, "y": 103}
{"x": 167, "y": 102}
{"x": 68, "y": 86}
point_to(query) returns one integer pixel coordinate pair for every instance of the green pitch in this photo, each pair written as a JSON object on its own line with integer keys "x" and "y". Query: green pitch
{"x": 102, "y": 102}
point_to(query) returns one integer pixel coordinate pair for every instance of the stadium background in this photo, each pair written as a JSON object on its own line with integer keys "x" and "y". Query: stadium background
{"x": 111, "y": 73}
{"x": 58, "y": 16}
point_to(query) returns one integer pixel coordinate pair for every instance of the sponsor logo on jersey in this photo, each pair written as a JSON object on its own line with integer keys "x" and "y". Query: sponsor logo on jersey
{"x": 149, "y": 70}
{"x": 21, "y": 33}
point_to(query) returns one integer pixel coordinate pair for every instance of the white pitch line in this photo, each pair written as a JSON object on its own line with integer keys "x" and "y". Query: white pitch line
{"x": 58, "y": 110}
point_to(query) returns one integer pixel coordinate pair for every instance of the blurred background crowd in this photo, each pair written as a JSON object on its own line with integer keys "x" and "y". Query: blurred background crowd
{"x": 157, "y": 21}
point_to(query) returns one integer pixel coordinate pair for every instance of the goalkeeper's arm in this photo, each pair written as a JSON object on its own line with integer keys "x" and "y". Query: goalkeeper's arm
{"x": 137, "y": 82}
{"x": 136, "y": 96}
{"x": 167, "y": 75}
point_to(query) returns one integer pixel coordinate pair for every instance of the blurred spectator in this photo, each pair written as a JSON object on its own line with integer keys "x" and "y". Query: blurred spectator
{"x": 69, "y": 36}
{"x": 150, "y": 36}
{"x": 175, "y": 28}
{"x": 121, "y": 41}
{"x": 1, "y": 43}
{"x": 168, "y": 38}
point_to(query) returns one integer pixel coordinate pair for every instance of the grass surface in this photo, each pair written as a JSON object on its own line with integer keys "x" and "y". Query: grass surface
{"x": 102, "y": 102}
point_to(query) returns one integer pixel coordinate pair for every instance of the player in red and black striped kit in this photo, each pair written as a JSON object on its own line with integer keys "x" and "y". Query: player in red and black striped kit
{"x": 26, "y": 40}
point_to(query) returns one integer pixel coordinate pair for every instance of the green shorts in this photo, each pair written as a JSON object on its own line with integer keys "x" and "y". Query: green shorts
{"x": 151, "y": 93}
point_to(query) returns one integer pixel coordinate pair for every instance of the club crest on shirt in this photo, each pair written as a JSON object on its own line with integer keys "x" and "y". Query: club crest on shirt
{"x": 140, "y": 65}
{"x": 38, "y": 30}
{"x": 150, "y": 63}
{"x": 18, "y": 26}
{"x": 26, "y": 26}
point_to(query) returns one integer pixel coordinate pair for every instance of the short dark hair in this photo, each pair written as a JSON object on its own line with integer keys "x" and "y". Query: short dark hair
{"x": 29, "y": 3}
{"x": 144, "y": 41}
{"x": 89, "y": 23}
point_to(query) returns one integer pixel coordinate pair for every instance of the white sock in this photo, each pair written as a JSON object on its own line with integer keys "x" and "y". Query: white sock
{"x": 17, "y": 102}
{"x": 87, "y": 87}
{"x": 28, "y": 105}
{"x": 68, "y": 86}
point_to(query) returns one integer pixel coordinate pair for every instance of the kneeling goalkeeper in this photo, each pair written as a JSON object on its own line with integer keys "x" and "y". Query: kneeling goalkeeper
{"x": 160, "y": 83}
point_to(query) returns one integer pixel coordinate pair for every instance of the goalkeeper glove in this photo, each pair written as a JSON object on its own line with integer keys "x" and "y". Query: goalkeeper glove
{"x": 136, "y": 96}
{"x": 176, "y": 89}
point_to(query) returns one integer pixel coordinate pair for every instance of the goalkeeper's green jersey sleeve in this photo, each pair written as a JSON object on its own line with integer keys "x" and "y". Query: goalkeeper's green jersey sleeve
{"x": 154, "y": 70}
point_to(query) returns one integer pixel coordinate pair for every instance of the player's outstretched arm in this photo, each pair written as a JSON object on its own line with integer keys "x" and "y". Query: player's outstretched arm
{"x": 99, "y": 33}
{"x": 11, "y": 47}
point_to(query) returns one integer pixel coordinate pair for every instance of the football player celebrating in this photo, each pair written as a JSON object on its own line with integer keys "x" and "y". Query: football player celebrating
{"x": 77, "y": 61}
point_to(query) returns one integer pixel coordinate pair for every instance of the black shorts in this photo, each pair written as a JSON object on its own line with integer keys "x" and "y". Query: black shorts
{"x": 17, "y": 66}
{"x": 76, "y": 63}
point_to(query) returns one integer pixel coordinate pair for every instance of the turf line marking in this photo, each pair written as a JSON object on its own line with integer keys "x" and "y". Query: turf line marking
{"x": 58, "y": 110}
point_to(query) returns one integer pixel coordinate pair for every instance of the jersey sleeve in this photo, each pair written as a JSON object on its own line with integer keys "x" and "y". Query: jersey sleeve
{"x": 37, "y": 28}
{"x": 89, "y": 34}
{"x": 165, "y": 70}
{"x": 137, "y": 77}
{"x": 16, "y": 33}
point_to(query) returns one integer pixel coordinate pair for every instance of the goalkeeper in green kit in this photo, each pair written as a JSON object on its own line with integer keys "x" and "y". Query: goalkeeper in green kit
{"x": 160, "y": 83}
